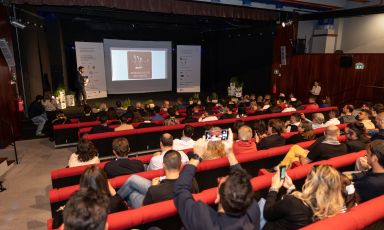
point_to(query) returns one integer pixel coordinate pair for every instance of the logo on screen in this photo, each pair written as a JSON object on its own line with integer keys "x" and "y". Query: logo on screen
{"x": 139, "y": 65}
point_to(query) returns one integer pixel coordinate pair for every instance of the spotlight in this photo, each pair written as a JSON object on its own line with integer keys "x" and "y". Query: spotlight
{"x": 17, "y": 24}
{"x": 283, "y": 24}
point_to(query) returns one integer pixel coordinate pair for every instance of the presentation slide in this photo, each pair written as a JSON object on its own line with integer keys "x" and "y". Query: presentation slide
{"x": 138, "y": 66}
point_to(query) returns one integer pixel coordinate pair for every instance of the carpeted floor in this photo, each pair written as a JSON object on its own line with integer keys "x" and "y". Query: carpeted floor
{"x": 25, "y": 203}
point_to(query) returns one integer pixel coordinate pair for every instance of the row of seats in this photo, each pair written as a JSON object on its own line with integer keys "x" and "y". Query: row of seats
{"x": 207, "y": 172}
{"x": 165, "y": 214}
{"x": 148, "y": 138}
{"x": 67, "y": 134}
{"x": 70, "y": 176}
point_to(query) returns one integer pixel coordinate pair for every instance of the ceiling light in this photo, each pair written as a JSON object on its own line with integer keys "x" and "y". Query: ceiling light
{"x": 17, "y": 24}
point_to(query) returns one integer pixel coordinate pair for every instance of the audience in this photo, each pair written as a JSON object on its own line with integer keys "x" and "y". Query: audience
{"x": 370, "y": 184}
{"x": 138, "y": 191}
{"x": 103, "y": 127}
{"x": 124, "y": 124}
{"x": 172, "y": 120}
{"x": 208, "y": 115}
{"x": 88, "y": 116}
{"x": 122, "y": 165}
{"x": 357, "y": 137}
{"x": 312, "y": 103}
{"x": 320, "y": 198}
{"x": 157, "y": 116}
{"x": 364, "y": 117}
{"x": 305, "y": 133}
{"x": 189, "y": 118}
{"x": 236, "y": 207}
{"x": 186, "y": 141}
{"x": 275, "y": 128}
{"x": 119, "y": 109}
{"x": 146, "y": 123}
{"x": 379, "y": 135}
{"x": 85, "y": 154}
{"x": 246, "y": 142}
{"x": 333, "y": 118}
{"x": 166, "y": 144}
{"x": 347, "y": 116}
{"x": 293, "y": 123}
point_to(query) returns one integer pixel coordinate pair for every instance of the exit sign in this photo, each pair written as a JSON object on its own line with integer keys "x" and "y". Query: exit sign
{"x": 359, "y": 65}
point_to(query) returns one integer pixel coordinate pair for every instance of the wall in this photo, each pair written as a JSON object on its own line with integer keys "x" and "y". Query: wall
{"x": 9, "y": 115}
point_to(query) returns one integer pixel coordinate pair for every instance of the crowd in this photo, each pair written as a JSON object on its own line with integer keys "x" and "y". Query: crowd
{"x": 325, "y": 193}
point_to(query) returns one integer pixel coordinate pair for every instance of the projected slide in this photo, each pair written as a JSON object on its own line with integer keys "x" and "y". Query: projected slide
{"x": 135, "y": 64}
{"x": 138, "y": 66}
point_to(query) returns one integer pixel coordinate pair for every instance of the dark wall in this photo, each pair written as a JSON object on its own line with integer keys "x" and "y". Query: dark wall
{"x": 9, "y": 115}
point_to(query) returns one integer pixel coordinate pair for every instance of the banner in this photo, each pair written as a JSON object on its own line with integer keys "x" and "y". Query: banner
{"x": 188, "y": 69}
{"x": 91, "y": 56}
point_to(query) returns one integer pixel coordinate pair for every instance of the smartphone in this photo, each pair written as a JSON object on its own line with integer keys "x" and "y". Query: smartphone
{"x": 214, "y": 137}
{"x": 283, "y": 169}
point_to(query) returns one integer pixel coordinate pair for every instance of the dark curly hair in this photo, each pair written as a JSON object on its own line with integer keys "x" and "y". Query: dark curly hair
{"x": 86, "y": 150}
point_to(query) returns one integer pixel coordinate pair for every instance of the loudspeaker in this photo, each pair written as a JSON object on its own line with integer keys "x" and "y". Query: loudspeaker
{"x": 346, "y": 61}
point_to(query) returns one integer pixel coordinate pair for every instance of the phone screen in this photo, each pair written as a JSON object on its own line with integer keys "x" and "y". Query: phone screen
{"x": 282, "y": 172}
{"x": 222, "y": 136}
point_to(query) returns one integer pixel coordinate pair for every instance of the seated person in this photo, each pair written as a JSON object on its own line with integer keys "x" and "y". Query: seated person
{"x": 119, "y": 109}
{"x": 363, "y": 117}
{"x": 293, "y": 123}
{"x": 88, "y": 116}
{"x": 166, "y": 144}
{"x": 227, "y": 113}
{"x": 380, "y": 125}
{"x": 298, "y": 209}
{"x": 139, "y": 107}
{"x": 317, "y": 120}
{"x": 289, "y": 108}
{"x": 103, "y": 127}
{"x": 85, "y": 154}
{"x": 275, "y": 128}
{"x": 370, "y": 184}
{"x": 306, "y": 133}
{"x": 86, "y": 209}
{"x": 94, "y": 179}
{"x": 111, "y": 113}
{"x": 61, "y": 119}
{"x": 210, "y": 149}
{"x": 333, "y": 118}
{"x": 147, "y": 122}
{"x": 246, "y": 142}
{"x": 124, "y": 124}
{"x": 236, "y": 207}
{"x": 172, "y": 120}
{"x": 189, "y": 118}
{"x": 260, "y": 129}
{"x": 186, "y": 141}
{"x": 157, "y": 116}
{"x": 347, "y": 116}
{"x": 122, "y": 165}
{"x": 208, "y": 115}
{"x": 357, "y": 137}
{"x": 235, "y": 128}
{"x": 324, "y": 148}
{"x": 312, "y": 103}
{"x": 138, "y": 191}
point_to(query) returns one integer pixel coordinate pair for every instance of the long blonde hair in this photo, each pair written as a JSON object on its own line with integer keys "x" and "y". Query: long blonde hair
{"x": 214, "y": 150}
{"x": 322, "y": 192}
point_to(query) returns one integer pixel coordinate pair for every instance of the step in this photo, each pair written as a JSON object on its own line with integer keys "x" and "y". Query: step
{"x": 9, "y": 162}
{"x": 5, "y": 165}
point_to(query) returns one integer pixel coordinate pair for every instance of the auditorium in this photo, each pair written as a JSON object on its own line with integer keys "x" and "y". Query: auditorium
{"x": 192, "y": 114}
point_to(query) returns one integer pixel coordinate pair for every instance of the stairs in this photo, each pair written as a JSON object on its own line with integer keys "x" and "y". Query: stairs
{"x": 5, "y": 165}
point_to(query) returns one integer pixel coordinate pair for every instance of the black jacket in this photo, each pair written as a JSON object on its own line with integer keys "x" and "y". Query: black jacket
{"x": 35, "y": 109}
{"x": 79, "y": 84}
{"x": 123, "y": 166}
{"x": 270, "y": 142}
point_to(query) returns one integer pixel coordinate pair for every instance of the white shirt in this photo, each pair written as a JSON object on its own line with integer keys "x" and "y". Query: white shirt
{"x": 74, "y": 161}
{"x": 209, "y": 118}
{"x": 333, "y": 121}
{"x": 183, "y": 143}
{"x": 316, "y": 90}
{"x": 157, "y": 161}
{"x": 288, "y": 110}
{"x": 316, "y": 126}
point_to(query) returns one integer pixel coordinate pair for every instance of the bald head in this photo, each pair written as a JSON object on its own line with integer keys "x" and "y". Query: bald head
{"x": 332, "y": 132}
{"x": 166, "y": 140}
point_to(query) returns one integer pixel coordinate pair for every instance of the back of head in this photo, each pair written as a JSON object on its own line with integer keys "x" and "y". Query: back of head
{"x": 260, "y": 127}
{"x": 237, "y": 124}
{"x": 359, "y": 129}
{"x": 214, "y": 150}
{"x": 39, "y": 97}
{"x": 378, "y": 108}
{"x": 277, "y": 125}
{"x": 350, "y": 108}
{"x": 103, "y": 119}
{"x": 124, "y": 118}
{"x": 376, "y": 148}
{"x": 118, "y": 104}
{"x": 87, "y": 109}
{"x": 188, "y": 130}
{"x": 245, "y": 133}
{"x": 172, "y": 112}
{"x": 318, "y": 118}
{"x": 121, "y": 146}
{"x": 334, "y": 112}
{"x": 86, "y": 209}
{"x": 172, "y": 160}
{"x": 166, "y": 140}
{"x": 86, "y": 150}
{"x": 322, "y": 191}
{"x": 95, "y": 178}
{"x": 156, "y": 109}
{"x": 236, "y": 193}
{"x": 332, "y": 131}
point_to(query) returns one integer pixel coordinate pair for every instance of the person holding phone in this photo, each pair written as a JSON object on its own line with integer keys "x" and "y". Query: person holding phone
{"x": 320, "y": 198}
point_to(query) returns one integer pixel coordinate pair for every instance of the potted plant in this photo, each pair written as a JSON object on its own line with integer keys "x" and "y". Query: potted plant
{"x": 149, "y": 103}
{"x": 126, "y": 103}
{"x": 70, "y": 98}
{"x": 60, "y": 97}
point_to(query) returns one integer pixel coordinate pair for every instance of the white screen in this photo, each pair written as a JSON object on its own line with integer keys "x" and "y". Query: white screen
{"x": 138, "y": 66}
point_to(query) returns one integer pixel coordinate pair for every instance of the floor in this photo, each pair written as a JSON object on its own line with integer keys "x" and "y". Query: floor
{"x": 25, "y": 203}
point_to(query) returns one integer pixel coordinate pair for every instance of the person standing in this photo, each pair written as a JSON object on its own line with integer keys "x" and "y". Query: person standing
{"x": 316, "y": 89}
{"x": 80, "y": 86}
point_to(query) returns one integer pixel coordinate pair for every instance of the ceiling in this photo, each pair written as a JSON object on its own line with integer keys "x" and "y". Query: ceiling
{"x": 302, "y": 7}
